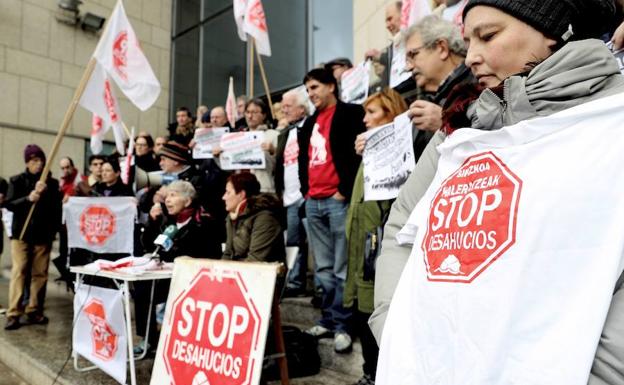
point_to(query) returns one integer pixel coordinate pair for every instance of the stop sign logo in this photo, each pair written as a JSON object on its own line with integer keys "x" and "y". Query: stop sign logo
{"x": 97, "y": 224}
{"x": 103, "y": 336}
{"x": 472, "y": 219}
{"x": 214, "y": 330}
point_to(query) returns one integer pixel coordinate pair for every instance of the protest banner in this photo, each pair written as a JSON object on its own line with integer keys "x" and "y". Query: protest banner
{"x": 101, "y": 225}
{"x": 512, "y": 219}
{"x": 388, "y": 159}
{"x": 241, "y": 150}
{"x": 206, "y": 139}
{"x": 398, "y": 73}
{"x": 215, "y": 324}
{"x": 354, "y": 83}
{"x": 99, "y": 332}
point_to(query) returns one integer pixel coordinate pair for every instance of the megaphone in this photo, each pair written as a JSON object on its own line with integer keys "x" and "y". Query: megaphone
{"x": 150, "y": 179}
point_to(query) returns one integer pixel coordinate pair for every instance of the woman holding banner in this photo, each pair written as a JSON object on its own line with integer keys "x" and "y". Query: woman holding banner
{"x": 362, "y": 224}
{"x": 190, "y": 231}
{"x": 517, "y": 320}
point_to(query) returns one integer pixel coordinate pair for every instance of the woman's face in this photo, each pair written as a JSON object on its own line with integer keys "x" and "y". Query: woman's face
{"x": 375, "y": 115}
{"x": 140, "y": 146}
{"x": 231, "y": 198}
{"x": 109, "y": 176}
{"x": 176, "y": 202}
{"x": 500, "y": 45}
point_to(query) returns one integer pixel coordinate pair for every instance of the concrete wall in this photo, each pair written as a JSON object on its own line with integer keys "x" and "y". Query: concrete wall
{"x": 369, "y": 28}
{"x": 42, "y": 61}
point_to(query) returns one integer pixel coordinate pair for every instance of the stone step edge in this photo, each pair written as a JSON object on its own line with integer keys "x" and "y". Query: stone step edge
{"x": 27, "y": 368}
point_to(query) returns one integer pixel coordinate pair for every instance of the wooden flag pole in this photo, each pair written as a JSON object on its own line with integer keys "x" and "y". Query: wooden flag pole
{"x": 251, "y": 68}
{"x": 264, "y": 81}
{"x": 69, "y": 114}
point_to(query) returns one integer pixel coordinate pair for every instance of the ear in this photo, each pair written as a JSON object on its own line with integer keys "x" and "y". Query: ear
{"x": 188, "y": 202}
{"x": 442, "y": 47}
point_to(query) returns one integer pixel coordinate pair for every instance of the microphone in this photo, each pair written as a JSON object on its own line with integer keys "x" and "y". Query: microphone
{"x": 165, "y": 240}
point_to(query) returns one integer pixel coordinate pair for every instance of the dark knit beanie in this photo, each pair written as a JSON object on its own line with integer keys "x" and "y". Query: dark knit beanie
{"x": 33, "y": 151}
{"x": 176, "y": 151}
{"x": 562, "y": 20}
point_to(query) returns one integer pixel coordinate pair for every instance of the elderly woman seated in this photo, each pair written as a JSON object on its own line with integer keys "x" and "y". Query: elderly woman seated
{"x": 191, "y": 237}
{"x": 254, "y": 225}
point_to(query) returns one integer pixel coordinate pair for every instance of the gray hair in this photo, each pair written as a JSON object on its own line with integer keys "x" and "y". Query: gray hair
{"x": 432, "y": 29}
{"x": 183, "y": 188}
{"x": 301, "y": 99}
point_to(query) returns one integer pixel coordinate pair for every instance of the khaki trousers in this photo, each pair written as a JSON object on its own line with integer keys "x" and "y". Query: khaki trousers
{"x": 36, "y": 258}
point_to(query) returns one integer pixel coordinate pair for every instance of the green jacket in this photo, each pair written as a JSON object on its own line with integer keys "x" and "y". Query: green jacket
{"x": 256, "y": 235}
{"x": 362, "y": 218}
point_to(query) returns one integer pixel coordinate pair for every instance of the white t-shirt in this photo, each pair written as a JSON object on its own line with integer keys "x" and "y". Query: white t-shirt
{"x": 292, "y": 186}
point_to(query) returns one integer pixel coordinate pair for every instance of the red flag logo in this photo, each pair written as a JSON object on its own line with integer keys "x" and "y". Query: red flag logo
{"x": 120, "y": 54}
{"x": 109, "y": 99}
{"x": 257, "y": 17}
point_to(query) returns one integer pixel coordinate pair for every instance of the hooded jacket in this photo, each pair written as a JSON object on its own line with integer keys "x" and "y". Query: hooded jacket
{"x": 256, "y": 235}
{"x": 579, "y": 72}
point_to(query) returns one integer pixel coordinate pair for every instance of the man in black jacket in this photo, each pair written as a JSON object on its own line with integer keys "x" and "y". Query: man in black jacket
{"x": 33, "y": 250}
{"x": 327, "y": 168}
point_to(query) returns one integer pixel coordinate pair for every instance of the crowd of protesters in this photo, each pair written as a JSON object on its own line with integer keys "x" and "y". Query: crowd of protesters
{"x": 313, "y": 185}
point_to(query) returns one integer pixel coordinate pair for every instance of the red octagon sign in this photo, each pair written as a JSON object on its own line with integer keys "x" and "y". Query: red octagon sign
{"x": 472, "y": 220}
{"x": 97, "y": 224}
{"x": 103, "y": 337}
{"x": 214, "y": 331}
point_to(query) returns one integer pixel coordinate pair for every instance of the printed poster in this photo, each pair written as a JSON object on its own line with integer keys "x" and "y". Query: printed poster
{"x": 241, "y": 150}
{"x": 206, "y": 139}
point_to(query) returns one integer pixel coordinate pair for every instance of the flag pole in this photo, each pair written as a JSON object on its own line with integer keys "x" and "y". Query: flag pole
{"x": 69, "y": 114}
{"x": 264, "y": 79}
{"x": 251, "y": 68}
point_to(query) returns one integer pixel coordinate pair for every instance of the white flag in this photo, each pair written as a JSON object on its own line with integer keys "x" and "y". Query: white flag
{"x": 99, "y": 98}
{"x": 121, "y": 56}
{"x": 230, "y": 104}
{"x": 414, "y": 10}
{"x": 99, "y": 332}
{"x": 239, "y": 16}
{"x": 101, "y": 225}
{"x": 255, "y": 24}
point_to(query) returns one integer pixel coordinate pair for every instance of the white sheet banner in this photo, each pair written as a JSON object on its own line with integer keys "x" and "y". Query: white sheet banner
{"x": 99, "y": 333}
{"x": 354, "y": 83}
{"x": 242, "y": 150}
{"x": 206, "y": 139}
{"x": 101, "y": 225}
{"x": 513, "y": 223}
{"x": 7, "y": 222}
{"x": 215, "y": 323}
{"x": 388, "y": 159}
{"x": 398, "y": 74}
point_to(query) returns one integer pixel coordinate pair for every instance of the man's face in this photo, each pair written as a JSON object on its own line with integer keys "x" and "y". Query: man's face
{"x": 425, "y": 63}
{"x": 159, "y": 143}
{"x": 240, "y": 107}
{"x": 96, "y": 168}
{"x": 292, "y": 112}
{"x": 183, "y": 118}
{"x": 218, "y": 117}
{"x": 321, "y": 95}
{"x": 254, "y": 116}
{"x": 35, "y": 165}
{"x": 66, "y": 168}
{"x": 393, "y": 19}
{"x": 169, "y": 165}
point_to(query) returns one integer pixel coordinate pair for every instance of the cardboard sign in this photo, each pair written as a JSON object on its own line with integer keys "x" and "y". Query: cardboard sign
{"x": 215, "y": 323}
{"x": 206, "y": 139}
{"x": 241, "y": 150}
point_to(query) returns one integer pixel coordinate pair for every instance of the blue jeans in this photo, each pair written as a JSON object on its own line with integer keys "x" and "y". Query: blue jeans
{"x": 296, "y": 236}
{"x": 327, "y": 237}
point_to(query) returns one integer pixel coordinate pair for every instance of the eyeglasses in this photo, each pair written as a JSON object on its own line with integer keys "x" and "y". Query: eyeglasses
{"x": 412, "y": 53}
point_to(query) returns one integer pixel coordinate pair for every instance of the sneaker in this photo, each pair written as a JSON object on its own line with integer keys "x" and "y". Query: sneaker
{"x": 36, "y": 319}
{"x": 12, "y": 323}
{"x": 140, "y": 347}
{"x": 342, "y": 342}
{"x": 366, "y": 379}
{"x": 319, "y": 331}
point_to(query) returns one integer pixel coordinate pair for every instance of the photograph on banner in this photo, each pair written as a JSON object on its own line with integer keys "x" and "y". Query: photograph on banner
{"x": 388, "y": 159}
{"x": 99, "y": 332}
{"x": 242, "y": 150}
{"x": 398, "y": 74}
{"x": 215, "y": 324}
{"x": 354, "y": 83}
{"x": 206, "y": 139}
{"x": 101, "y": 225}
